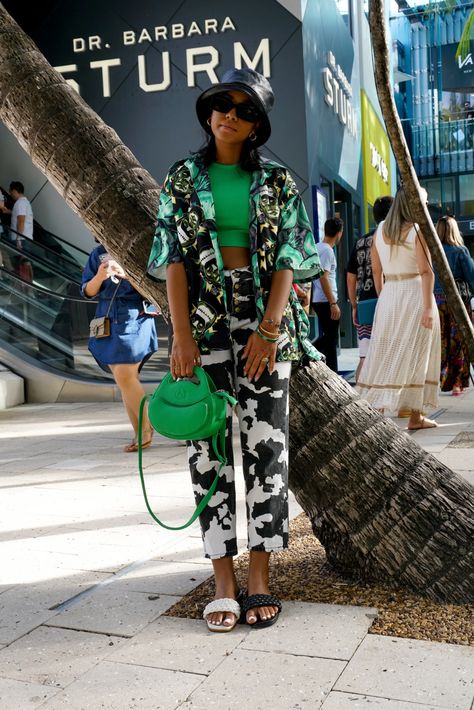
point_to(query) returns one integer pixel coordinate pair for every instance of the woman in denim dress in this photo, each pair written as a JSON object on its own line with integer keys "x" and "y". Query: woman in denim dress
{"x": 132, "y": 340}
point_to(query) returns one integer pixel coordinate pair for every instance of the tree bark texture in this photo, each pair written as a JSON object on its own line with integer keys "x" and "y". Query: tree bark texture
{"x": 411, "y": 185}
{"x": 382, "y": 508}
{"x": 85, "y": 160}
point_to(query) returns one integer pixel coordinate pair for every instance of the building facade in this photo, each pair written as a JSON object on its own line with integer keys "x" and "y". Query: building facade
{"x": 349, "y": 157}
{"x": 141, "y": 67}
{"x": 435, "y": 99}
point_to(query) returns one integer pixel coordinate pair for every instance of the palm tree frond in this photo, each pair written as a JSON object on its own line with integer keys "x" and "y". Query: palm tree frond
{"x": 464, "y": 45}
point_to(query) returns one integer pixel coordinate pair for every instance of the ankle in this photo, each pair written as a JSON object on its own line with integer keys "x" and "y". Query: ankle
{"x": 258, "y": 576}
{"x": 257, "y": 588}
{"x": 226, "y": 589}
{"x": 258, "y": 582}
{"x": 224, "y": 578}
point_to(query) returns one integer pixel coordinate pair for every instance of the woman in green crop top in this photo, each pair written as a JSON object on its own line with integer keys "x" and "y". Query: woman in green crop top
{"x": 232, "y": 236}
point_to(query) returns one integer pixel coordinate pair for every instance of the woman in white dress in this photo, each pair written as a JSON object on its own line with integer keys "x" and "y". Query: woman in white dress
{"x": 401, "y": 369}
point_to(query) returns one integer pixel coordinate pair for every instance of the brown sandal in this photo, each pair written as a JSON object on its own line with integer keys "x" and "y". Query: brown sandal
{"x": 132, "y": 447}
{"x": 424, "y": 424}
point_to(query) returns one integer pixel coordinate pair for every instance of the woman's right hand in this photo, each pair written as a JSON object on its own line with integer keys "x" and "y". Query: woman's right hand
{"x": 102, "y": 271}
{"x": 92, "y": 287}
{"x": 184, "y": 356}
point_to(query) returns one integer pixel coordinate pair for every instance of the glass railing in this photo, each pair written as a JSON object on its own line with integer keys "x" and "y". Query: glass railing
{"x": 32, "y": 263}
{"x": 56, "y": 260}
{"x": 51, "y": 243}
{"x": 445, "y": 147}
{"x": 44, "y": 325}
{"x": 60, "y": 246}
{"x": 43, "y": 315}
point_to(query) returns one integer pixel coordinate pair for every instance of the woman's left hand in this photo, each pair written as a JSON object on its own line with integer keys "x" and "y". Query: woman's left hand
{"x": 114, "y": 269}
{"x": 427, "y": 318}
{"x": 258, "y": 354}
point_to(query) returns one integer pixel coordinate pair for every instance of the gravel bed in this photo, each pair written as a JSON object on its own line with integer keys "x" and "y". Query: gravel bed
{"x": 302, "y": 573}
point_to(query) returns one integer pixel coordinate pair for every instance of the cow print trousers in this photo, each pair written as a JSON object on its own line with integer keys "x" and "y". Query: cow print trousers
{"x": 262, "y": 412}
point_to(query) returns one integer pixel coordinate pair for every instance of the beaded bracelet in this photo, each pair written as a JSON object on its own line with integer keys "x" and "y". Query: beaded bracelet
{"x": 264, "y": 337}
{"x": 272, "y": 322}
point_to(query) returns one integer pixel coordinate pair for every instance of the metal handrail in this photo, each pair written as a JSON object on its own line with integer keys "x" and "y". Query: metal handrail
{"x": 37, "y": 226}
{"x": 60, "y": 239}
{"x": 37, "y": 258}
{"x": 43, "y": 290}
{"x": 32, "y": 329}
{"x": 63, "y": 255}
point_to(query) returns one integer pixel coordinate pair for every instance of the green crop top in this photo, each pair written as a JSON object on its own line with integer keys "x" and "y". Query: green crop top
{"x": 230, "y": 187}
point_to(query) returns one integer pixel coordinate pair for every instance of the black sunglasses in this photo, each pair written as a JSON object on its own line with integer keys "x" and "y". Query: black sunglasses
{"x": 224, "y": 104}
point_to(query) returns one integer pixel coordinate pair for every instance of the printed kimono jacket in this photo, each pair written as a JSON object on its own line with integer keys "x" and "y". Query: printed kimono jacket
{"x": 280, "y": 238}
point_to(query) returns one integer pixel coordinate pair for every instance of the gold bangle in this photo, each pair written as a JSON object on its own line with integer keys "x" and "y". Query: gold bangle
{"x": 272, "y": 333}
{"x": 265, "y": 337}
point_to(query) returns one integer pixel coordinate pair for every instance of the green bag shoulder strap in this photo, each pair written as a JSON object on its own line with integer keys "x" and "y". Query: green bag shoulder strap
{"x": 218, "y": 442}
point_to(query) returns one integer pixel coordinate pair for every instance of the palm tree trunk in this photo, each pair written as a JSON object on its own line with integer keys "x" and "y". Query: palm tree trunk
{"x": 420, "y": 213}
{"x": 382, "y": 507}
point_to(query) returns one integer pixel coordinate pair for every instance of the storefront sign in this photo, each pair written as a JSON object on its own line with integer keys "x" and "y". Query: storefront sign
{"x": 199, "y": 60}
{"x": 378, "y": 163}
{"x": 466, "y": 227}
{"x": 339, "y": 94}
{"x": 375, "y": 155}
{"x": 458, "y": 72}
{"x": 142, "y": 65}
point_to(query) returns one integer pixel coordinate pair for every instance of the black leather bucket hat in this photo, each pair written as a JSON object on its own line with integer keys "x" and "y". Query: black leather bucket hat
{"x": 257, "y": 88}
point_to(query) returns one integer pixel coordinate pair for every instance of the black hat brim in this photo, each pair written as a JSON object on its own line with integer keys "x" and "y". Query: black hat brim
{"x": 203, "y": 109}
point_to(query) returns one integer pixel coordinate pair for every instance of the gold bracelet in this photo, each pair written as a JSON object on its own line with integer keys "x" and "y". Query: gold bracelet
{"x": 265, "y": 337}
{"x": 271, "y": 333}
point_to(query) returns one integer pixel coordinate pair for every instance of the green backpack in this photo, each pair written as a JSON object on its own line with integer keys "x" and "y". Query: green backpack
{"x": 189, "y": 408}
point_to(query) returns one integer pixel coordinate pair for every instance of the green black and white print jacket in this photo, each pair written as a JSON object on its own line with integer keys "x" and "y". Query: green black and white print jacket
{"x": 280, "y": 238}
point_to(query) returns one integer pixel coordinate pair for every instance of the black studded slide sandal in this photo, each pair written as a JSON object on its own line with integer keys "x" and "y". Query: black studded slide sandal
{"x": 254, "y": 601}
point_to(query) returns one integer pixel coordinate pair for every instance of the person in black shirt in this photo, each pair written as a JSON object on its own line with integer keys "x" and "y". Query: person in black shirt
{"x": 360, "y": 281}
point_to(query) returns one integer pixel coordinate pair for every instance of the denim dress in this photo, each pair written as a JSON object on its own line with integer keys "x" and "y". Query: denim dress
{"x": 132, "y": 336}
{"x": 462, "y": 267}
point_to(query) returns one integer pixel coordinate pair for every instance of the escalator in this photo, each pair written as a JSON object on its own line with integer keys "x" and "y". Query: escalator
{"x": 44, "y": 322}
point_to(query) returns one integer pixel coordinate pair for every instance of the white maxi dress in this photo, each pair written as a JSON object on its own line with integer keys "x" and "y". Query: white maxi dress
{"x": 402, "y": 366}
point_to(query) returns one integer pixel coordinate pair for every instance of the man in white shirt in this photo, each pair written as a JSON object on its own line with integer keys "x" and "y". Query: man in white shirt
{"x": 21, "y": 226}
{"x": 324, "y": 295}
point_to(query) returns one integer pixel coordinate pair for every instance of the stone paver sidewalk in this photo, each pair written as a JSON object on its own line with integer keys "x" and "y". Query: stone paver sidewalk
{"x": 86, "y": 575}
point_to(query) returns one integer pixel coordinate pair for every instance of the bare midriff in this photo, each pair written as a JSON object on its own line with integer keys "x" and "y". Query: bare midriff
{"x": 235, "y": 257}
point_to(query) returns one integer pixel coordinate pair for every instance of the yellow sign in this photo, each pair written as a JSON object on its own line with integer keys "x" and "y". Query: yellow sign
{"x": 375, "y": 156}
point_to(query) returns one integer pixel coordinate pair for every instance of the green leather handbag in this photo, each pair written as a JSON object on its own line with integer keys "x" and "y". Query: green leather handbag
{"x": 188, "y": 408}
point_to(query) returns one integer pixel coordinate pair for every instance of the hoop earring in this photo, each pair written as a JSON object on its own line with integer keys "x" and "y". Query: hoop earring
{"x": 208, "y": 121}
{"x": 252, "y": 136}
